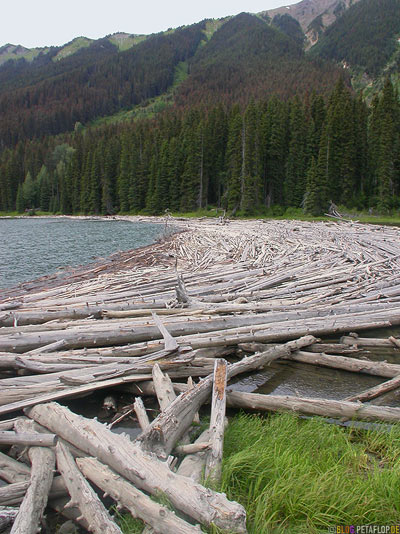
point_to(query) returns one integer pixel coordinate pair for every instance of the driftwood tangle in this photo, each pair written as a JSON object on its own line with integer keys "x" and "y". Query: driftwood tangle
{"x": 267, "y": 290}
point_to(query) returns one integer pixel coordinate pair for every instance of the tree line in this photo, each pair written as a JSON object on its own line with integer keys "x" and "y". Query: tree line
{"x": 274, "y": 154}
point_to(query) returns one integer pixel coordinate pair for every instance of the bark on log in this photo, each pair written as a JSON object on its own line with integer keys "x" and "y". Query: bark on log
{"x": 165, "y": 431}
{"x": 162, "y": 520}
{"x": 83, "y": 496}
{"x": 217, "y": 424}
{"x": 143, "y": 470}
{"x": 376, "y": 391}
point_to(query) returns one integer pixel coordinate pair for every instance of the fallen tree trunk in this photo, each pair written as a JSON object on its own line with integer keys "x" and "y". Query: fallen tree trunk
{"x": 307, "y": 406}
{"x": 164, "y": 432}
{"x": 35, "y": 500}
{"x": 143, "y": 470}
{"x": 217, "y": 424}
{"x": 83, "y": 496}
{"x": 162, "y": 520}
{"x": 12, "y": 494}
{"x": 27, "y": 439}
{"x": 376, "y": 391}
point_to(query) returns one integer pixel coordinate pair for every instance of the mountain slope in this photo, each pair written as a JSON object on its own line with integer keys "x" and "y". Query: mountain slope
{"x": 314, "y": 16}
{"x": 247, "y": 58}
{"x": 365, "y": 36}
{"x": 50, "y": 97}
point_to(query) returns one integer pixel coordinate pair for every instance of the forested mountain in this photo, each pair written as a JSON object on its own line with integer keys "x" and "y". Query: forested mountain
{"x": 365, "y": 36}
{"x": 254, "y": 122}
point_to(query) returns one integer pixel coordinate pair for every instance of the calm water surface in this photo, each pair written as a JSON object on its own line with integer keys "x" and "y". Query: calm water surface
{"x": 32, "y": 247}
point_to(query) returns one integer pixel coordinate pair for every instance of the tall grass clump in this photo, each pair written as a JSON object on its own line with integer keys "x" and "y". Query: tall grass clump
{"x": 299, "y": 476}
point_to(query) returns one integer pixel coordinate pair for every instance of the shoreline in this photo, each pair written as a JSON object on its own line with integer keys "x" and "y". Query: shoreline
{"x": 117, "y": 261}
{"x": 160, "y": 250}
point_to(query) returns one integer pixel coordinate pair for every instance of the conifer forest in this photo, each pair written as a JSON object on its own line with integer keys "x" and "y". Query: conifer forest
{"x": 256, "y": 127}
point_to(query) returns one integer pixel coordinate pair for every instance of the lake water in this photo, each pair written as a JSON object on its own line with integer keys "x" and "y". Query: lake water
{"x": 34, "y": 247}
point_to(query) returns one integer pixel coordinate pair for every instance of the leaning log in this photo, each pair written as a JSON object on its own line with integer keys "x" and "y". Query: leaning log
{"x": 376, "y": 391}
{"x": 162, "y": 520}
{"x": 35, "y": 500}
{"x": 83, "y": 496}
{"x": 217, "y": 425}
{"x": 145, "y": 471}
{"x": 165, "y": 431}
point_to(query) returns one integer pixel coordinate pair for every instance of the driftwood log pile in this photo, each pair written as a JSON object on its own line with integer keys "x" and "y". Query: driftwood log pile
{"x": 224, "y": 299}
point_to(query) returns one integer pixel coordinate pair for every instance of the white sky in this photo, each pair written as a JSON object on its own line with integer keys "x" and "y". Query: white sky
{"x": 34, "y": 23}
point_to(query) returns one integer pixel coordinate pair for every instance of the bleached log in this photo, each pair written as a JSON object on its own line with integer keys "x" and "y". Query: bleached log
{"x": 367, "y": 342}
{"x": 376, "y": 391}
{"x": 193, "y": 465}
{"x": 162, "y": 520}
{"x": 52, "y": 347}
{"x": 192, "y": 448}
{"x": 314, "y": 406}
{"x": 13, "y": 471}
{"x": 35, "y": 500}
{"x": 27, "y": 439}
{"x": 164, "y": 432}
{"x": 141, "y": 413}
{"x": 143, "y": 470}
{"x": 218, "y": 405}
{"x": 164, "y": 388}
{"x": 355, "y": 365}
{"x": 278, "y": 328}
{"x": 12, "y": 494}
{"x": 83, "y": 496}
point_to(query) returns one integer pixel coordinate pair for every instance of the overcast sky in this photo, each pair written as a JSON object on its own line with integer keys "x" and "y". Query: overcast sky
{"x": 34, "y": 23}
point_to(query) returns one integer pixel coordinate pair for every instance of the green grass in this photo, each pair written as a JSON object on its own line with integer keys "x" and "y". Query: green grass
{"x": 73, "y": 47}
{"x": 303, "y": 476}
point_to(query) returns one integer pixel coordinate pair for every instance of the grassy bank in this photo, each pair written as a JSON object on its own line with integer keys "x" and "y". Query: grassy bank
{"x": 273, "y": 213}
{"x": 298, "y": 476}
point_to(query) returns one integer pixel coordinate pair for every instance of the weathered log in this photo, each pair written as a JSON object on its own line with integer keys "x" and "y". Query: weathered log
{"x": 13, "y": 471}
{"x": 193, "y": 465}
{"x": 164, "y": 388}
{"x": 27, "y": 439}
{"x": 141, "y": 413}
{"x": 164, "y": 432}
{"x": 308, "y": 406}
{"x": 192, "y": 448}
{"x": 83, "y": 496}
{"x": 162, "y": 520}
{"x": 355, "y": 365}
{"x": 12, "y": 494}
{"x": 218, "y": 405}
{"x": 282, "y": 329}
{"x": 143, "y": 470}
{"x": 367, "y": 342}
{"x": 35, "y": 500}
{"x": 376, "y": 391}
{"x": 52, "y": 347}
